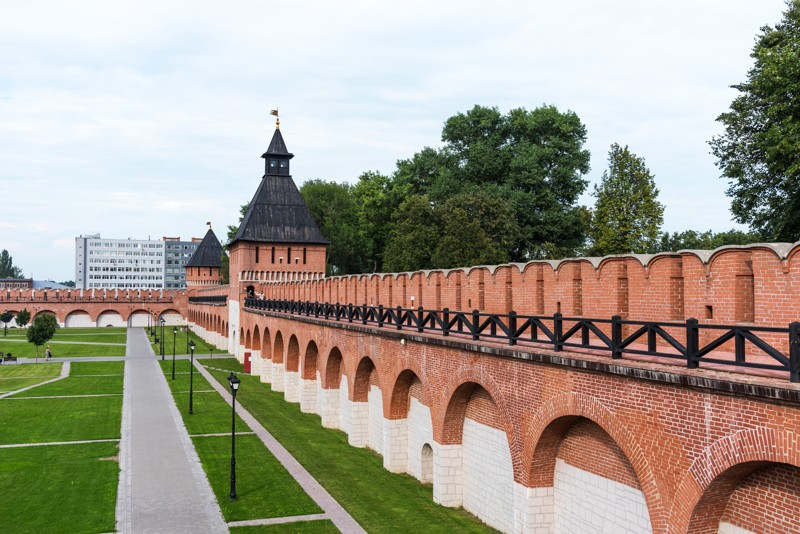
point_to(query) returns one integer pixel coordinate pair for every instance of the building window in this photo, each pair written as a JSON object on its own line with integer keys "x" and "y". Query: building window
{"x": 304, "y": 255}
{"x": 273, "y": 254}
{"x": 256, "y": 254}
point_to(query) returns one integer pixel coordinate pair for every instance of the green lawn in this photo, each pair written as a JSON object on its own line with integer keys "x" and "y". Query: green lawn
{"x": 263, "y": 487}
{"x": 304, "y": 527}
{"x": 260, "y": 477}
{"x": 62, "y": 488}
{"x": 96, "y": 368}
{"x": 25, "y": 420}
{"x": 18, "y": 376}
{"x": 68, "y": 342}
{"x": 78, "y": 385}
{"x": 379, "y": 500}
{"x": 181, "y": 342}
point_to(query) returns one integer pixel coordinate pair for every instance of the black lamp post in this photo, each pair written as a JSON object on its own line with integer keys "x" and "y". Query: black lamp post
{"x": 174, "y": 333}
{"x": 162, "y": 337}
{"x": 191, "y": 376}
{"x": 234, "y": 382}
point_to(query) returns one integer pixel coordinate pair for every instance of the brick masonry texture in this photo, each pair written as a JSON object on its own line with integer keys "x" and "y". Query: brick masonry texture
{"x": 678, "y": 448}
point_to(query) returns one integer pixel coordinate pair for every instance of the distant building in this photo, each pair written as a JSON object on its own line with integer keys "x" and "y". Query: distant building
{"x": 16, "y": 283}
{"x": 177, "y": 253}
{"x": 131, "y": 263}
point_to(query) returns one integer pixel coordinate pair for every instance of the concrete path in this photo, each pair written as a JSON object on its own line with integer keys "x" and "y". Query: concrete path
{"x": 162, "y": 486}
{"x": 333, "y": 510}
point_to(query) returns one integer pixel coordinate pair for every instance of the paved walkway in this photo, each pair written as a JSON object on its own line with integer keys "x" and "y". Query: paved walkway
{"x": 162, "y": 486}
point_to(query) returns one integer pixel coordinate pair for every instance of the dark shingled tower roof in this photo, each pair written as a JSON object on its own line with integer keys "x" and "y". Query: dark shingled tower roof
{"x": 208, "y": 253}
{"x": 278, "y": 213}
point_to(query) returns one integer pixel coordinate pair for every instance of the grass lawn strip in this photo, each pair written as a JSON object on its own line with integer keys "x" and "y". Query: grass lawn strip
{"x": 97, "y": 368}
{"x": 66, "y": 488}
{"x": 50, "y": 370}
{"x": 306, "y": 527}
{"x": 260, "y": 477}
{"x": 181, "y": 343}
{"x": 379, "y": 500}
{"x": 77, "y": 385}
{"x": 59, "y": 419}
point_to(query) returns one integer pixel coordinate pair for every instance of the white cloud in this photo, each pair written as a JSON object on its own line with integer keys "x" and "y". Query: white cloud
{"x": 148, "y": 118}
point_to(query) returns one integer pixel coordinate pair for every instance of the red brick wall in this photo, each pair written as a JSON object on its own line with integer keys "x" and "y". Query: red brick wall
{"x": 677, "y": 442}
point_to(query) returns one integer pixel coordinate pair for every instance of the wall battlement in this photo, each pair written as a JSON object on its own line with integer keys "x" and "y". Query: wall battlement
{"x": 751, "y": 284}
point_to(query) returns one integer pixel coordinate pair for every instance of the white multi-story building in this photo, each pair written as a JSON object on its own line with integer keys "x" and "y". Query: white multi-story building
{"x": 129, "y": 263}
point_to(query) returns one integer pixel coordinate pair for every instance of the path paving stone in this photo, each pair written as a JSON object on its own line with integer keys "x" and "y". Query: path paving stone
{"x": 162, "y": 487}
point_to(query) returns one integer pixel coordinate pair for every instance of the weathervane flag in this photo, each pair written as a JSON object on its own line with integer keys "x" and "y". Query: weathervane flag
{"x": 274, "y": 112}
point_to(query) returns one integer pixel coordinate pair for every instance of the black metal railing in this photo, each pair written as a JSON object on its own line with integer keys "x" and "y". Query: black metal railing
{"x": 217, "y": 299}
{"x": 674, "y": 340}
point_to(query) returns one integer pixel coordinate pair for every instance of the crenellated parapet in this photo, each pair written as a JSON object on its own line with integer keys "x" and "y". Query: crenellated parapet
{"x": 737, "y": 284}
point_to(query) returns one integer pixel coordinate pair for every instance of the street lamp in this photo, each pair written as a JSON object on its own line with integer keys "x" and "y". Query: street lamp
{"x": 191, "y": 376}
{"x": 162, "y": 337}
{"x": 174, "y": 333}
{"x": 234, "y": 382}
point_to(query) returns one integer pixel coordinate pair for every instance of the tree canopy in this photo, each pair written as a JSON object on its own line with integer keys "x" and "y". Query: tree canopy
{"x": 7, "y": 267}
{"x": 23, "y": 317}
{"x": 627, "y": 216}
{"x": 759, "y": 152}
{"x": 42, "y": 330}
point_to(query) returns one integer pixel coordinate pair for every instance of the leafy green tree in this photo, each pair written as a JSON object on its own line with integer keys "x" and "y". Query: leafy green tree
{"x": 708, "y": 240}
{"x": 627, "y": 216}
{"x": 42, "y": 330}
{"x": 6, "y": 317}
{"x": 414, "y": 236}
{"x": 7, "y": 267}
{"x": 377, "y": 197}
{"x": 534, "y": 160}
{"x": 758, "y": 153}
{"x": 68, "y": 283}
{"x": 335, "y": 210}
{"x": 23, "y": 316}
{"x": 477, "y": 229}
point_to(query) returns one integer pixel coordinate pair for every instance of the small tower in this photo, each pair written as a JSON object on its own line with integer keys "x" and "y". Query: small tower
{"x": 203, "y": 268}
{"x": 278, "y": 239}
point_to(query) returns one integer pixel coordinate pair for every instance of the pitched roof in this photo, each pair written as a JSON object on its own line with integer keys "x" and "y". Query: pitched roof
{"x": 278, "y": 213}
{"x": 208, "y": 253}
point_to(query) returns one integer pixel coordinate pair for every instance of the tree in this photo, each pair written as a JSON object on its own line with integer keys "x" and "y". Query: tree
{"x": 758, "y": 153}
{"x": 335, "y": 211}
{"x": 534, "y": 160}
{"x": 68, "y": 283}
{"x": 6, "y": 317}
{"x": 414, "y": 236}
{"x": 708, "y": 240}
{"x": 627, "y": 216}
{"x": 7, "y": 267}
{"x": 477, "y": 229}
{"x": 42, "y": 330}
{"x": 377, "y": 197}
{"x": 23, "y": 317}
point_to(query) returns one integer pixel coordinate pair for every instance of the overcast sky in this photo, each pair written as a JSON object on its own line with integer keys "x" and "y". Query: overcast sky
{"x": 147, "y": 119}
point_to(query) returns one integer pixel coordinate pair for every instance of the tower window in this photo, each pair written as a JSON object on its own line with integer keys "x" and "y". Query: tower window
{"x": 256, "y": 254}
{"x": 273, "y": 254}
{"x": 304, "y": 255}
{"x": 289, "y": 256}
